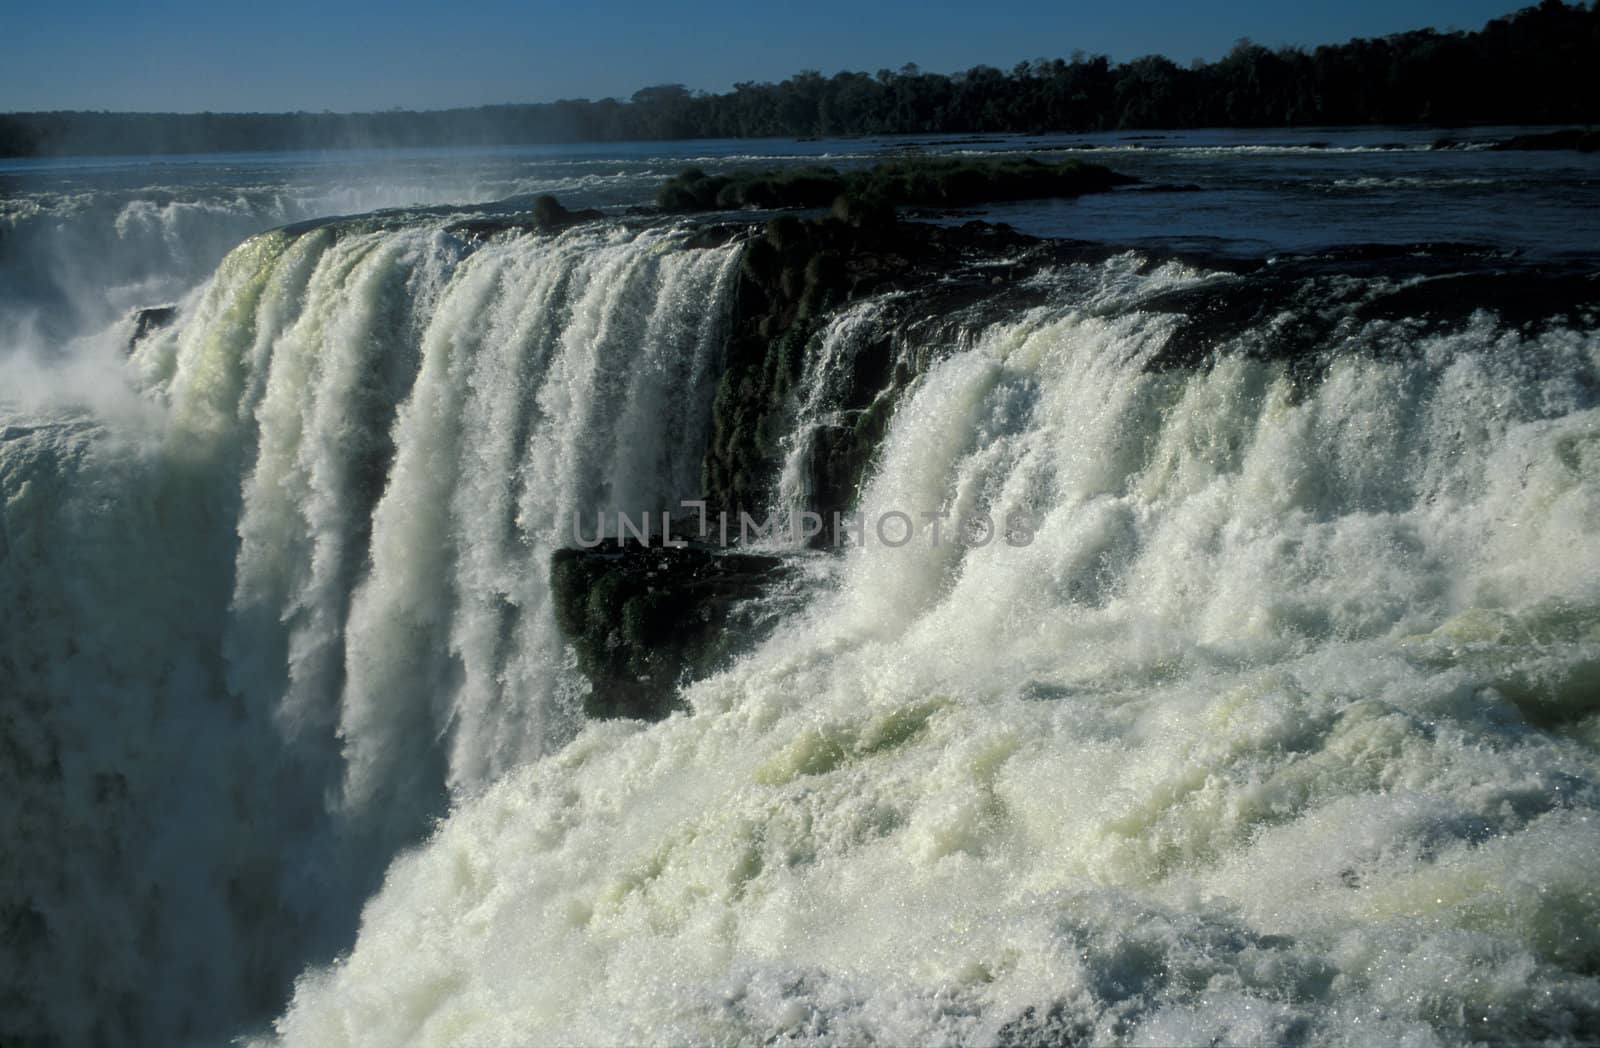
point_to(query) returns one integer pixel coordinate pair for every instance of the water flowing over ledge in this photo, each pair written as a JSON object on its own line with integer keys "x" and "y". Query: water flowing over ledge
{"x": 375, "y": 437}
{"x": 1282, "y": 727}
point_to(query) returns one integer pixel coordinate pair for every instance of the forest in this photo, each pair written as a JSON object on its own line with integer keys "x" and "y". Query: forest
{"x": 1536, "y": 66}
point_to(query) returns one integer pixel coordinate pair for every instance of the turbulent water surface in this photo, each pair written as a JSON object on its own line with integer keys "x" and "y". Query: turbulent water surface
{"x": 1284, "y": 726}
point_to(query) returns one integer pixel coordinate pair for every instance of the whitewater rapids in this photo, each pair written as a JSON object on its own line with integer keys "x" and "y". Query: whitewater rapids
{"x": 1285, "y": 726}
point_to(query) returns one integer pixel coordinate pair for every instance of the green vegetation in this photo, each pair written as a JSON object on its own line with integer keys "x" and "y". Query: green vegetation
{"x": 1534, "y": 67}
{"x": 694, "y": 190}
{"x": 930, "y": 182}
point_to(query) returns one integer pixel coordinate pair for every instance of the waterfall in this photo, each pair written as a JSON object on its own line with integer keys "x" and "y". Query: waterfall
{"x": 79, "y": 256}
{"x": 1266, "y": 732}
{"x": 308, "y": 609}
{"x": 1215, "y": 695}
{"x": 820, "y": 391}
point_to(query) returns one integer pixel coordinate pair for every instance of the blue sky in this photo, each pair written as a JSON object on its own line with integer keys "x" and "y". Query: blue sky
{"x": 185, "y": 55}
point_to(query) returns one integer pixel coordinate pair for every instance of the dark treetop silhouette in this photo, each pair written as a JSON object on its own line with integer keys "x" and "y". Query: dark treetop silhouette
{"x": 1535, "y": 66}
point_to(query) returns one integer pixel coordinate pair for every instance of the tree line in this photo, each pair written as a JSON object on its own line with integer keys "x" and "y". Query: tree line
{"x": 1535, "y": 66}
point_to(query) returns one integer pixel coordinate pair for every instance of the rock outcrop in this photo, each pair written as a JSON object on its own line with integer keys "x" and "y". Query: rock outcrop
{"x": 643, "y": 620}
{"x": 150, "y": 319}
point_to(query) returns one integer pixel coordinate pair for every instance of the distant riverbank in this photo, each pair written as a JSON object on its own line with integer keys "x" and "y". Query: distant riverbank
{"x": 1532, "y": 67}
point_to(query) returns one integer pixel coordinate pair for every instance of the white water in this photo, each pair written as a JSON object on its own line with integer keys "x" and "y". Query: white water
{"x": 262, "y": 632}
{"x": 1283, "y": 727}
{"x": 822, "y": 385}
{"x": 82, "y": 253}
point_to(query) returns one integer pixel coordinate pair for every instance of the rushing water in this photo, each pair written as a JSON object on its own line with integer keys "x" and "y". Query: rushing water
{"x": 85, "y": 240}
{"x": 1282, "y": 727}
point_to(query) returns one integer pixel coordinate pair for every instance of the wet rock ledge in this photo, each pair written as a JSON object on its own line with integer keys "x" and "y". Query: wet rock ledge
{"x": 644, "y": 620}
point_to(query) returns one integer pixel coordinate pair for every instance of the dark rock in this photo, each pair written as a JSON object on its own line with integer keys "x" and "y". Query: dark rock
{"x": 151, "y": 318}
{"x": 552, "y": 217}
{"x": 546, "y": 215}
{"x": 644, "y": 620}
